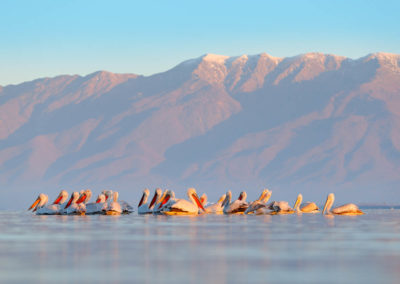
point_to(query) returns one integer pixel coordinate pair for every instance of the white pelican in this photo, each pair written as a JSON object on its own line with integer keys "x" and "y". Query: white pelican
{"x": 280, "y": 207}
{"x": 167, "y": 196}
{"x": 73, "y": 207}
{"x": 236, "y": 207}
{"x": 147, "y": 208}
{"x": 217, "y": 207}
{"x": 183, "y": 206}
{"x": 347, "y": 209}
{"x": 143, "y": 207}
{"x": 113, "y": 208}
{"x": 61, "y": 199}
{"x": 41, "y": 208}
{"x": 308, "y": 207}
{"x": 125, "y": 206}
{"x": 94, "y": 207}
{"x": 258, "y": 206}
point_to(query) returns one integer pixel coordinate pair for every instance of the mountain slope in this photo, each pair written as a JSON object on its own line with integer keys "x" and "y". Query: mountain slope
{"x": 307, "y": 122}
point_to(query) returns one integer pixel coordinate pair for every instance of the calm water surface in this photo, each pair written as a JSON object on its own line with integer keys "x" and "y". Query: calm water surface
{"x": 206, "y": 249}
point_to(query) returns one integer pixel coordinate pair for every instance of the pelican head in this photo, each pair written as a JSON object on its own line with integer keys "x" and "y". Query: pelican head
{"x": 191, "y": 192}
{"x": 145, "y": 195}
{"x": 242, "y": 196}
{"x": 74, "y": 197}
{"x": 107, "y": 193}
{"x": 203, "y": 199}
{"x": 101, "y": 198}
{"x": 82, "y": 197}
{"x": 156, "y": 197}
{"x": 328, "y": 203}
{"x": 62, "y": 197}
{"x": 39, "y": 202}
{"x": 168, "y": 194}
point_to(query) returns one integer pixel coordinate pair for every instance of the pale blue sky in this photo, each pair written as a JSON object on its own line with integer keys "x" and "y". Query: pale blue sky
{"x": 48, "y": 38}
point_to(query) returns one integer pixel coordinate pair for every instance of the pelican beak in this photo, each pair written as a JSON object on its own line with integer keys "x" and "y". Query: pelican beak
{"x": 153, "y": 200}
{"x": 141, "y": 200}
{"x": 167, "y": 197}
{"x": 34, "y": 204}
{"x": 240, "y": 196}
{"x": 98, "y": 200}
{"x": 196, "y": 198}
{"x": 296, "y": 204}
{"x": 325, "y": 206}
{"x": 69, "y": 202}
{"x": 81, "y": 198}
{"x": 57, "y": 200}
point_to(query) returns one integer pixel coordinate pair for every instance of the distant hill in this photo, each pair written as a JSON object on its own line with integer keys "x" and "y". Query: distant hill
{"x": 313, "y": 122}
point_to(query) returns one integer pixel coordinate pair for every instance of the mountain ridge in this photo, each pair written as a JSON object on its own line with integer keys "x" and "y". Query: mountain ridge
{"x": 312, "y": 122}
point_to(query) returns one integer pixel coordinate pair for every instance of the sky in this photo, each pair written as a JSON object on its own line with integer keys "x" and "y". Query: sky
{"x": 49, "y": 38}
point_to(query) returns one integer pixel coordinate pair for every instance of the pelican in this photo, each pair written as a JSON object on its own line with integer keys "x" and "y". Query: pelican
{"x": 113, "y": 208}
{"x": 61, "y": 199}
{"x": 183, "y": 206}
{"x": 74, "y": 207}
{"x": 95, "y": 207}
{"x": 217, "y": 207}
{"x": 308, "y": 207}
{"x": 259, "y": 205}
{"x": 236, "y": 207}
{"x": 347, "y": 209}
{"x": 143, "y": 207}
{"x": 147, "y": 208}
{"x": 40, "y": 206}
{"x": 162, "y": 201}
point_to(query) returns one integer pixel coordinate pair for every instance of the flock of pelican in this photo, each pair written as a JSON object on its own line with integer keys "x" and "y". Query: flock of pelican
{"x": 106, "y": 203}
{"x": 165, "y": 203}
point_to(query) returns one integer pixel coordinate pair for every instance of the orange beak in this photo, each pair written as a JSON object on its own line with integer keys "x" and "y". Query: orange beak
{"x": 196, "y": 198}
{"x": 34, "y": 204}
{"x": 81, "y": 198}
{"x": 164, "y": 201}
{"x": 57, "y": 200}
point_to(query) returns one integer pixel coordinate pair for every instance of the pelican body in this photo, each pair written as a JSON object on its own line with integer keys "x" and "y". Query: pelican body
{"x": 183, "y": 206}
{"x": 113, "y": 207}
{"x": 217, "y": 207}
{"x": 238, "y": 206}
{"x": 258, "y": 206}
{"x": 308, "y": 207}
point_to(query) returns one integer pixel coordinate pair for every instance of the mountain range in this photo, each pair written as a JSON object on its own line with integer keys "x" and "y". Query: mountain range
{"x": 311, "y": 123}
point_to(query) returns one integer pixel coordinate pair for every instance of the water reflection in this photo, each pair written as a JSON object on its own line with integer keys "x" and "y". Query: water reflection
{"x": 148, "y": 249}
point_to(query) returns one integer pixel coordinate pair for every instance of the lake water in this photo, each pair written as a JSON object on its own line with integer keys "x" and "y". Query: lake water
{"x": 205, "y": 249}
